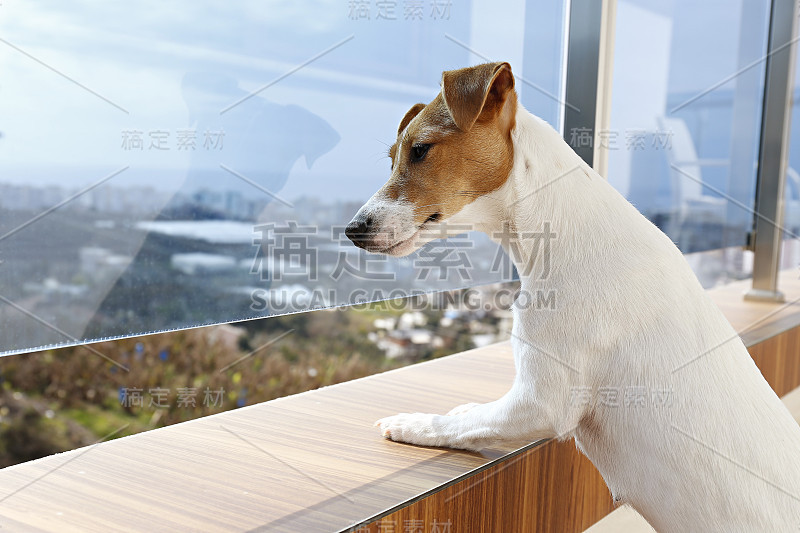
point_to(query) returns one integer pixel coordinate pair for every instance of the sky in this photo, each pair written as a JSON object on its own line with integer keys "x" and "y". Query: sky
{"x": 137, "y": 58}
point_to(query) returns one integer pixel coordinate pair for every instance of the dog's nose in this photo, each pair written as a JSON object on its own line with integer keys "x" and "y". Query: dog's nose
{"x": 358, "y": 229}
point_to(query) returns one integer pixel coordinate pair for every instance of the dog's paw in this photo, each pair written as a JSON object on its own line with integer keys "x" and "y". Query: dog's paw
{"x": 461, "y": 409}
{"x": 411, "y": 428}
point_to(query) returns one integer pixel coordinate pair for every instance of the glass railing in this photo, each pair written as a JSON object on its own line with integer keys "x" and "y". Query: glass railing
{"x": 684, "y": 136}
{"x": 170, "y": 165}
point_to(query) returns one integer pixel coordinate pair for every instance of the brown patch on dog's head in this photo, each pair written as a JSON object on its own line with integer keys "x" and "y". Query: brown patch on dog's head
{"x": 458, "y": 147}
{"x": 409, "y": 116}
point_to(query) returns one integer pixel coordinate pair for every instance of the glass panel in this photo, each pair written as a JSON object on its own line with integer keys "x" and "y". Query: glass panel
{"x": 167, "y": 165}
{"x": 790, "y": 256}
{"x": 685, "y": 122}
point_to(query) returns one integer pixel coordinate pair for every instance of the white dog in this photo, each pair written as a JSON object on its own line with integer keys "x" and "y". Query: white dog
{"x": 631, "y": 320}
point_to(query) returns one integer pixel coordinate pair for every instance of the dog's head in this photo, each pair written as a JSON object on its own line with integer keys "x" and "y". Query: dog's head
{"x": 447, "y": 155}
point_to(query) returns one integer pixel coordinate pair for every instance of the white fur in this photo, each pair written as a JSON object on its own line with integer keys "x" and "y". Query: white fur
{"x": 724, "y": 456}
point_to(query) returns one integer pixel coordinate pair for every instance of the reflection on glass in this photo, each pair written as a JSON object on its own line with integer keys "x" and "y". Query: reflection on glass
{"x": 685, "y": 122}
{"x": 167, "y": 166}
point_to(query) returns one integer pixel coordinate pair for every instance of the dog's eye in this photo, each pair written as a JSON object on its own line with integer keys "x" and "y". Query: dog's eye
{"x": 419, "y": 151}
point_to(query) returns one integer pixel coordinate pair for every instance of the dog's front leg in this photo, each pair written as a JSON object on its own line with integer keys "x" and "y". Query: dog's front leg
{"x": 473, "y": 426}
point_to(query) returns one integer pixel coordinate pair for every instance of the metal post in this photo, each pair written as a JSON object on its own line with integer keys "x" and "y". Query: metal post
{"x": 583, "y": 58}
{"x": 587, "y": 91}
{"x": 605, "y": 81}
{"x": 773, "y": 152}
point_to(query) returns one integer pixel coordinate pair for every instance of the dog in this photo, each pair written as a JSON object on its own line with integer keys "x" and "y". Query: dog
{"x": 723, "y": 454}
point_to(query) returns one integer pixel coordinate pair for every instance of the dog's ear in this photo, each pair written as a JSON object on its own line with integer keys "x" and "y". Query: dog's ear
{"x": 468, "y": 92}
{"x": 413, "y": 112}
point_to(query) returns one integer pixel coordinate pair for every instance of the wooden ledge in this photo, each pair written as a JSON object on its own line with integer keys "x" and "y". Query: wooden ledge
{"x": 309, "y": 462}
{"x": 758, "y": 321}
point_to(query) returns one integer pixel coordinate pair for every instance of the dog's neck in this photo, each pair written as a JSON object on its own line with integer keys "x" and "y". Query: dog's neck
{"x": 525, "y": 215}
